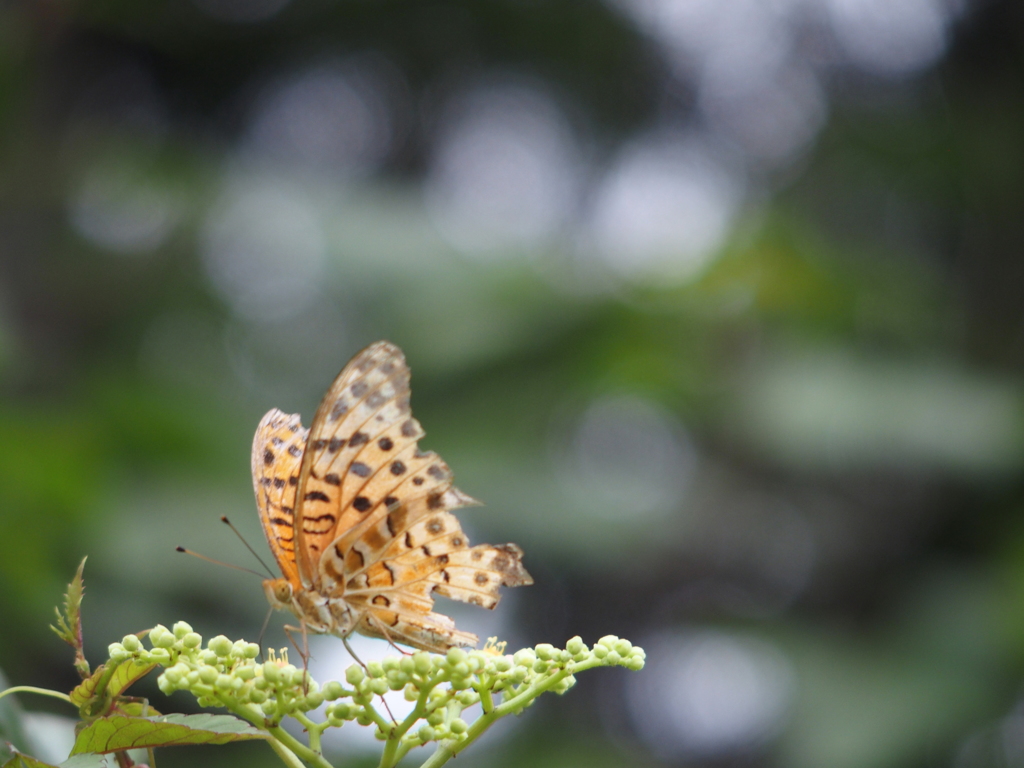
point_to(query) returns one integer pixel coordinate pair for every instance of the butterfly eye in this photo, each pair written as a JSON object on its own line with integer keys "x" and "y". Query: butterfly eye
{"x": 283, "y": 591}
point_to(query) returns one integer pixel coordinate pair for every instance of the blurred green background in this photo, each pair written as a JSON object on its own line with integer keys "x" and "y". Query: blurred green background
{"x": 716, "y": 305}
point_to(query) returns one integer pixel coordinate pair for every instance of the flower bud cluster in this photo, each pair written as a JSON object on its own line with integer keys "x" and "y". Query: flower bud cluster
{"x": 226, "y": 673}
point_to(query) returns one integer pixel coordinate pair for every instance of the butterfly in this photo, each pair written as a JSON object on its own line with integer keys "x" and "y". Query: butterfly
{"x": 359, "y": 518}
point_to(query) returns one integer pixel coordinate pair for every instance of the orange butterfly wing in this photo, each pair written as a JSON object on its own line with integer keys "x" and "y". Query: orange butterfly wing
{"x": 276, "y": 462}
{"x": 371, "y": 520}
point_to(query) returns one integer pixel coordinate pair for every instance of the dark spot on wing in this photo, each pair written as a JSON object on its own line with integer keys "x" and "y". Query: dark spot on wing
{"x": 335, "y": 444}
{"x": 409, "y": 428}
{"x": 381, "y": 600}
{"x": 319, "y": 444}
{"x": 376, "y": 400}
{"x": 390, "y": 501}
{"x": 435, "y": 501}
{"x": 358, "y": 468}
{"x": 435, "y": 525}
{"x": 317, "y": 496}
{"x": 279, "y": 482}
{"x": 332, "y": 479}
{"x": 295, "y": 451}
{"x": 277, "y": 441}
{"x": 268, "y": 457}
{"x": 480, "y": 578}
{"x": 361, "y": 503}
{"x": 436, "y": 472}
{"x": 417, "y": 481}
{"x": 359, "y": 438}
{"x": 340, "y": 409}
{"x": 359, "y": 388}
{"x": 293, "y": 480}
{"x": 397, "y": 467}
{"x": 385, "y": 444}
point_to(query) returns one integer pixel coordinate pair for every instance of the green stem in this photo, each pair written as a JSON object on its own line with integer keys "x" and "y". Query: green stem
{"x": 447, "y": 750}
{"x": 288, "y": 742}
{"x": 288, "y": 757}
{"x": 313, "y": 729}
{"x": 40, "y": 691}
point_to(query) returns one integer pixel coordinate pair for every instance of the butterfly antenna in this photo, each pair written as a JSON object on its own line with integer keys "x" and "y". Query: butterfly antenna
{"x": 228, "y": 523}
{"x": 219, "y": 562}
{"x": 263, "y": 631}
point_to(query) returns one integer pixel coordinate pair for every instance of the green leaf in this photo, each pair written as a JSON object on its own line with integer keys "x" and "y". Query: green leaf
{"x": 97, "y": 694}
{"x": 24, "y": 761}
{"x": 89, "y": 760}
{"x": 69, "y": 623}
{"x": 127, "y": 672}
{"x": 109, "y": 734}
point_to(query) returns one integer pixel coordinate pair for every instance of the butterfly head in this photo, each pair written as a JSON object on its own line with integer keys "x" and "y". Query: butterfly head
{"x": 279, "y": 592}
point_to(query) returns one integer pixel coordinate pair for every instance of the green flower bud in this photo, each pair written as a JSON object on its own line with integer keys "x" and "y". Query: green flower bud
{"x": 467, "y": 698}
{"x": 314, "y": 699}
{"x": 436, "y": 717}
{"x": 458, "y": 725}
{"x": 379, "y": 735}
{"x": 455, "y": 655}
{"x": 209, "y": 657}
{"x": 397, "y": 680}
{"x": 333, "y": 690}
{"x": 407, "y": 665}
{"x": 375, "y": 669}
{"x": 173, "y": 676}
{"x": 192, "y": 677}
{"x": 525, "y": 657}
{"x": 411, "y": 692}
{"x": 362, "y": 718}
{"x": 251, "y": 651}
{"x": 298, "y": 677}
{"x": 272, "y": 672}
{"x": 576, "y": 645}
{"x": 220, "y": 645}
{"x": 635, "y": 663}
{"x": 343, "y": 710}
{"x": 192, "y": 640}
{"x": 545, "y": 651}
{"x": 422, "y": 663}
{"x": 612, "y": 658}
{"x": 600, "y": 651}
{"x": 519, "y": 674}
{"x": 117, "y": 652}
{"x": 541, "y": 667}
{"x": 131, "y": 643}
{"x": 159, "y": 656}
{"x": 181, "y": 628}
{"x": 256, "y": 696}
{"x": 222, "y": 682}
{"x": 245, "y": 673}
{"x": 623, "y": 648}
{"x": 502, "y": 664}
{"x": 157, "y": 633}
{"x": 608, "y": 641}
{"x": 260, "y": 683}
{"x": 379, "y": 687}
{"x": 166, "y": 686}
{"x": 354, "y": 674}
{"x": 269, "y": 707}
{"x": 460, "y": 669}
{"x": 163, "y": 640}
{"x": 564, "y": 684}
{"x": 638, "y": 652}
{"x": 389, "y": 663}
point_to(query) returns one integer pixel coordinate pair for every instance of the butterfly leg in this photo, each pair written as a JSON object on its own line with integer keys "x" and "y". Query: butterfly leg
{"x": 303, "y": 651}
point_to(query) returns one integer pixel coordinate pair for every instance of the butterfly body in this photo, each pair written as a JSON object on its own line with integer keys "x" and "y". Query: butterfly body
{"x": 359, "y": 517}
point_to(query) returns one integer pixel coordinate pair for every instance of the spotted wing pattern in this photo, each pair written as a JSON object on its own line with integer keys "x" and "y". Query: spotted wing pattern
{"x": 372, "y": 521}
{"x": 276, "y": 460}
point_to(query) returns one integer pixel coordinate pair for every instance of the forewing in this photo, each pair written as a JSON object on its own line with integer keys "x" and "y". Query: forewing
{"x": 276, "y": 461}
{"x": 361, "y": 435}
